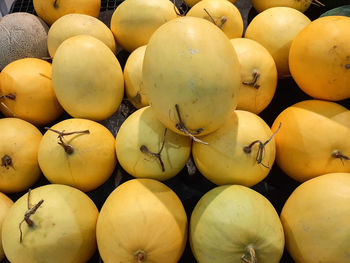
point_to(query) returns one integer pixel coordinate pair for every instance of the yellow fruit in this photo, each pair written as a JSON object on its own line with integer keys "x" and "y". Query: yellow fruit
{"x": 316, "y": 220}
{"x": 275, "y": 29}
{"x": 231, "y": 222}
{"x": 133, "y": 78}
{"x": 319, "y": 58}
{"x": 300, "y": 5}
{"x": 142, "y": 221}
{"x": 87, "y": 78}
{"x": 51, "y": 10}
{"x": 232, "y": 157}
{"x": 5, "y": 205}
{"x": 191, "y": 3}
{"x": 313, "y": 139}
{"x": 222, "y": 13}
{"x": 78, "y": 24}
{"x": 134, "y": 21}
{"x": 85, "y": 160}
{"x": 26, "y": 91}
{"x": 63, "y": 230}
{"x": 258, "y": 75}
{"x": 19, "y": 143}
{"x": 141, "y": 134}
{"x": 191, "y": 71}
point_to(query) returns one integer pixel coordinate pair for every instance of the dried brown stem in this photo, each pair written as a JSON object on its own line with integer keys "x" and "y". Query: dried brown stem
{"x": 317, "y": 3}
{"x": 31, "y": 211}
{"x": 222, "y": 20}
{"x": 259, "y": 155}
{"x": 145, "y": 150}
{"x": 7, "y": 108}
{"x": 252, "y": 255}
{"x": 10, "y": 96}
{"x": 45, "y": 76}
{"x": 253, "y": 83}
{"x": 55, "y": 5}
{"x": 182, "y": 127}
{"x": 6, "y": 161}
{"x": 67, "y": 147}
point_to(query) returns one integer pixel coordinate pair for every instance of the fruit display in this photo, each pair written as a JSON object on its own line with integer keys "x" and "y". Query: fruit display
{"x": 189, "y": 131}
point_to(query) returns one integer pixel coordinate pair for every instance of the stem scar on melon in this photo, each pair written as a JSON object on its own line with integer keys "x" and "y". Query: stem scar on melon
{"x": 223, "y": 19}
{"x": 259, "y": 155}
{"x": 140, "y": 256}
{"x": 6, "y": 161}
{"x": 253, "y": 83}
{"x": 340, "y": 155}
{"x": 252, "y": 254}
{"x": 55, "y": 5}
{"x": 145, "y": 150}
{"x": 182, "y": 127}
{"x": 67, "y": 147}
{"x": 28, "y": 213}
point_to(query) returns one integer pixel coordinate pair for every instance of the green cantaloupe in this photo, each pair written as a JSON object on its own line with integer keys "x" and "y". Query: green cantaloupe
{"x": 22, "y": 35}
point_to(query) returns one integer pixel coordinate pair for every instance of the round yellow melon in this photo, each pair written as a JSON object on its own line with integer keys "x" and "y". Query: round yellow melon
{"x": 51, "y": 10}
{"x": 87, "y": 78}
{"x": 301, "y": 5}
{"x": 19, "y": 143}
{"x": 61, "y": 229}
{"x": 191, "y": 75}
{"x": 84, "y": 159}
{"x": 258, "y": 75}
{"x": 141, "y": 137}
{"x": 222, "y": 13}
{"x": 134, "y": 21}
{"x": 313, "y": 139}
{"x": 142, "y": 221}
{"x": 27, "y": 92}
{"x": 234, "y": 154}
{"x": 78, "y": 24}
{"x": 316, "y": 220}
{"x": 319, "y": 58}
{"x": 275, "y": 29}
{"x": 133, "y": 78}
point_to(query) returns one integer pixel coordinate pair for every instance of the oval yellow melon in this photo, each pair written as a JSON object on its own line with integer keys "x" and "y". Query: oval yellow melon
{"x": 27, "y": 92}
{"x": 84, "y": 159}
{"x": 313, "y": 139}
{"x": 232, "y": 223}
{"x": 142, "y": 134}
{"x": 258, "y": 75}
{"x": 275, "y": 29}
{"x": 300, "y": 5}
{"x": 191, "y": 3}
{"x": 134, "y": 21}
{"x": 316, "y": 220}
{"x": 5, "y": 205}
{"x": 142, "y": 221}
{"x": 87, "y": 78}
{"x": 19, "y": 143}
{"x": 51, "y": 10}
{"x": 133, "y": 78}
{"x": 233, "y": 155}
{"x": 191, "y": 75}
{"x": 222, "y": 13}
{"x": 22, "y": 35}
{"x": 63, "y": 226}
{"x": 319, "y": 58}
{"x": 78, "y": 24}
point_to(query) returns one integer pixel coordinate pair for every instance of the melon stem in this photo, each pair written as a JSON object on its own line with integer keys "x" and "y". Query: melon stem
{"x": 27, "y": 215}
{"x": 253, "y": 83}
{"x": 55, "y": 5}
{"x": 340, "y": 155}
{"x": 251, "y": 251}
{"x": 67, "y": 147}
{"x": 140, "y": 256}
{"x": 145, "y": 150}
{"x": 223, "y": 19}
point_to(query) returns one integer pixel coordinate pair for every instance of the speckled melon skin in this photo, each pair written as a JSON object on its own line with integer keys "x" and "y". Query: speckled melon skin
{"x": 22, "y": 35}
